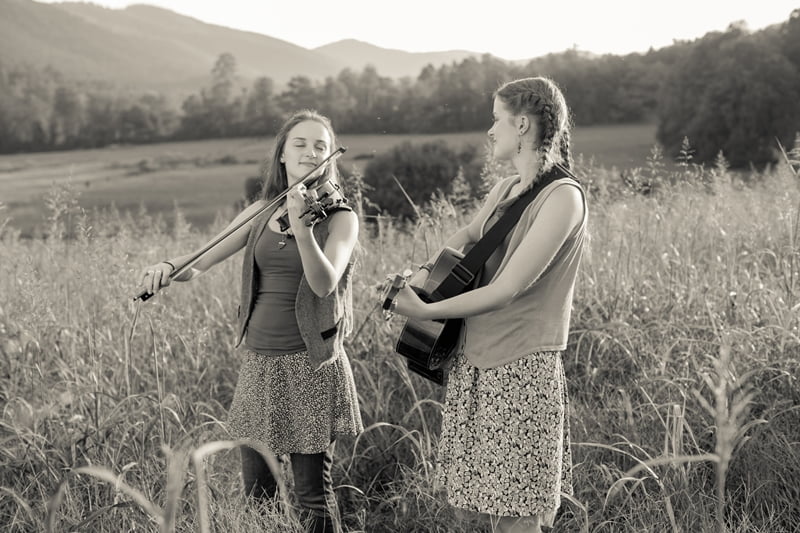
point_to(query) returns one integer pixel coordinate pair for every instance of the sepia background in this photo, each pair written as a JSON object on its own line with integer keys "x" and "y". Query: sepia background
{"x": 130, "y": 133}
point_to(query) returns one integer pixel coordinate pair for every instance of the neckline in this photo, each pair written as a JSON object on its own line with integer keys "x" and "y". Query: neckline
{"x": 507, "y": 199}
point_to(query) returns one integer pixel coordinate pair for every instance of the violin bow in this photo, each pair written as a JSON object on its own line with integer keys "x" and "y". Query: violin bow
{"x": 144, "y": 295}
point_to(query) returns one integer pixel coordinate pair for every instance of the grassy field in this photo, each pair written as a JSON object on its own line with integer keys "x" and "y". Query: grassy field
{"x": 682, "y": 366}
{"x": 205, "y": 177}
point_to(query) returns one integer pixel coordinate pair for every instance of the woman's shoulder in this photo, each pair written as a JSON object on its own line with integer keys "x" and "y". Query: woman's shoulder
{"x": 343, "y": 215}
{"x": 566, "y": 193}
{"x": 342, "y": 219}
{"x": 567, "y": 190}
{"x": 564, "y": 199}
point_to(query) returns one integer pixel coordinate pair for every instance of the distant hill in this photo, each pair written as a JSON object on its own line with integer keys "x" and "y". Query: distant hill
{"x": 143, "y": 46}
{"x": 196, "y": 45}
{"x": 389, "y": 62}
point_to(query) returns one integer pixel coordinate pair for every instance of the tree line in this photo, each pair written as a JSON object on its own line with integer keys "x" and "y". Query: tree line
{"x": 732, "y": 91}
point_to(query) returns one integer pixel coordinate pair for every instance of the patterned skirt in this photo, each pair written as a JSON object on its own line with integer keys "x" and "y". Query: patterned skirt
{"x": 504, "y": 448}
{"x": 282, "y": 402}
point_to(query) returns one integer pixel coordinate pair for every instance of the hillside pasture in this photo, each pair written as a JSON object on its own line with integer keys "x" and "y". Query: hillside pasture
{"x": 206, "y": 177}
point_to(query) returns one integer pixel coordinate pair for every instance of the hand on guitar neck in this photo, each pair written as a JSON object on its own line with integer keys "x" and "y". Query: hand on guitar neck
{"x": 400, "y": 295}
{"x": 428, "y": 342}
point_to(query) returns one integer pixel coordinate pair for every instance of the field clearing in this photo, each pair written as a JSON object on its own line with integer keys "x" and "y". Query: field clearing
{"x": 682, "y": 367}
{"x": 205, "y": 177}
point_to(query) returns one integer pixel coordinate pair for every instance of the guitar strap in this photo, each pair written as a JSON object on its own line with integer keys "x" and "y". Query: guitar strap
{"x": 463, "y": 274}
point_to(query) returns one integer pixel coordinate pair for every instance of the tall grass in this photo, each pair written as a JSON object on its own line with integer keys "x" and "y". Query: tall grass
{"x": 682, "y": 367}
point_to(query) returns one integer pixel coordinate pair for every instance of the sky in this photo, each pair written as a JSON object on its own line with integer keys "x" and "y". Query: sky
{"x": 509, "y": 29}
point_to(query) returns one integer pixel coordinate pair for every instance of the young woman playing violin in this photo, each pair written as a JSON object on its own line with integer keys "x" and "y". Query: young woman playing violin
{"x": 504, "y": 447}
{"x": 295, "y": 391}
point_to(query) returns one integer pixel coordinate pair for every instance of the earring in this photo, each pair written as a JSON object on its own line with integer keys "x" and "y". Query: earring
{"x": 519, "y": 145}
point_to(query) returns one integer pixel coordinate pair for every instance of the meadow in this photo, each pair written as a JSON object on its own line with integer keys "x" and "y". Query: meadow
{"x": 682, "y": 366}
{"x": 204, "y": 177}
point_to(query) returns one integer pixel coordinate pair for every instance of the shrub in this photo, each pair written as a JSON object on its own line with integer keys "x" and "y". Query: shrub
{"x": 422, "y": 169}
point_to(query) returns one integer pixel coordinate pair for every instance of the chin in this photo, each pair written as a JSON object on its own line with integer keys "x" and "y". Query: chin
{"x": 501, "y": 154}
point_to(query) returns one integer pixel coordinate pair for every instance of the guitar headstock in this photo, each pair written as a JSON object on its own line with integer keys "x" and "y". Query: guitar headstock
{"x": 391, "y": 287}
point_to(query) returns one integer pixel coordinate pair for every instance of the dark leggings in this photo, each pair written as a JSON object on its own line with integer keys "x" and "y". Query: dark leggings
{"x": 313, "y": 486}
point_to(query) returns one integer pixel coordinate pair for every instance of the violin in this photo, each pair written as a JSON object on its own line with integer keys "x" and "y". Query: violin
{"x": 320, "y": 196}
{"x": 328, "y": 196}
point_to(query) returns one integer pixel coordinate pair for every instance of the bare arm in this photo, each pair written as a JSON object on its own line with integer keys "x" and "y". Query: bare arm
{"x": 559, "y": 215}
{"x": 232, "y": 244}
{"x": 324, "y": 268}
{"x": 156, "y": 276}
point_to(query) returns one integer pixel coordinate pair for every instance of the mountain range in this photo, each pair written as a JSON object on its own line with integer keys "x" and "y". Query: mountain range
{"x": 143, "y": 46}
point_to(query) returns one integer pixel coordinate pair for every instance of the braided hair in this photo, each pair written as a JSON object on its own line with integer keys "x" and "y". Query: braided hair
{"x": 541, "y": 98}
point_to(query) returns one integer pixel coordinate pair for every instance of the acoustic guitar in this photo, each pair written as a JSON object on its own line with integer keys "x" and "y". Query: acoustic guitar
{"x": 429, "y": 345}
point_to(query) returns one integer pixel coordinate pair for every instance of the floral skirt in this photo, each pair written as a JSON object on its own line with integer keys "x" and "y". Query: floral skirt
{"x": 282, "y": 402}
{"x": 504, "y": 448}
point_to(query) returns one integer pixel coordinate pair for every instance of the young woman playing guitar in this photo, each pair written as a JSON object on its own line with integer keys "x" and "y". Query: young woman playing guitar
{"x": 504, "y": 448}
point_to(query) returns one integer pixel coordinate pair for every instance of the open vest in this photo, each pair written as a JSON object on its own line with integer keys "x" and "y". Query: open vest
{"x": 323, "y": 321}
{"x": 538, "y": 318}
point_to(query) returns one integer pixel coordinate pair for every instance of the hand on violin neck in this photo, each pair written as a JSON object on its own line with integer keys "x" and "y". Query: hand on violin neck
{"x": 296, "y": 205}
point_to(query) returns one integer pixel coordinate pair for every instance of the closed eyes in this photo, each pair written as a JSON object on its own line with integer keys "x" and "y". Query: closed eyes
{"x": 318, "y": 146}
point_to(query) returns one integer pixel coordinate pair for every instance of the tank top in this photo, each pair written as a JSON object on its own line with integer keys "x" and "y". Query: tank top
{"x": 538, "y": 318}
{"x": 272, "y": 328}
